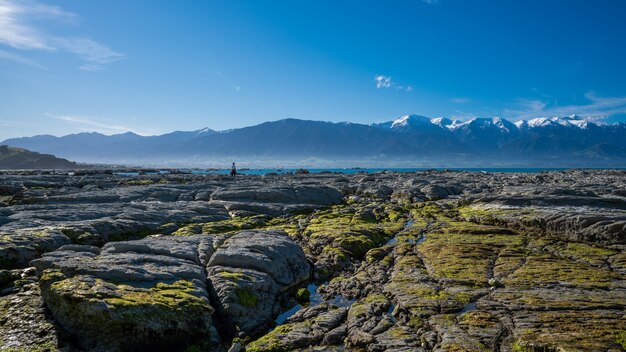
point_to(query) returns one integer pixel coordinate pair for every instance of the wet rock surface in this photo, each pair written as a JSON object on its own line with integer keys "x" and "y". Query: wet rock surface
{"x": 427, "y": 261}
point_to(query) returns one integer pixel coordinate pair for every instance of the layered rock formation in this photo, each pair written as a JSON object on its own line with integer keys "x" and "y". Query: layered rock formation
{"x": 425, "y": 261}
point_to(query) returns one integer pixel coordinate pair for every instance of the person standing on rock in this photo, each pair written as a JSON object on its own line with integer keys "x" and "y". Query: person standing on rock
{"x": 233, "y": 171}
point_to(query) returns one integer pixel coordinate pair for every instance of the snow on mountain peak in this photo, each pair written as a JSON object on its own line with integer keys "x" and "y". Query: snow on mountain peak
{"x": 410, "y": 120}
{"x": 521, "y": 123}
{"x": 539, "y": 122}
{"x": 483, "y": 123}
{"x": 568, "y": 121}
{"x": 407, "y": 121}
{"x": 441, "y": 121}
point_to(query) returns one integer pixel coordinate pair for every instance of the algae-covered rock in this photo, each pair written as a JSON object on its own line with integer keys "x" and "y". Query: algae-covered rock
{"x": 249, "y": 272}
{"x": 19, "y": 247}
{"x": 314, "y": 325}
{"x": 245, "y": 299}
{"x": 119, "y": 316}
{"x": 131, "y": 295}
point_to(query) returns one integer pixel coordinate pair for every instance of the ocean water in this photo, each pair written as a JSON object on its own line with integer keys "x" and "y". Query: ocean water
{"x": 346, "y": 171}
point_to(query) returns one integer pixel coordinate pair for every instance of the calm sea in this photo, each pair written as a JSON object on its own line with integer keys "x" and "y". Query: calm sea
{"x": 343, "y": 171}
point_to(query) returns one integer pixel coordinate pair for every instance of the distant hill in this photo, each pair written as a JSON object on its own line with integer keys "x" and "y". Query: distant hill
{"x": 410, "y": 140}
{"x": 18, "y": 158}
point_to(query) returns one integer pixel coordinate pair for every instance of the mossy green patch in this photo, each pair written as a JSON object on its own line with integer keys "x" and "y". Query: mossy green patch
{"x": 399, "y": 333}
{"x": 234, "y": 276}
{"x": 621, "y": 339}
{"x": 247, "y": 298}
{"x": 140, "y": 182}
{"x": 479, "y": 319}
{"x": 541, "y": 270}
{"x": 353, "y": 230}
{"x": 428, "y": 210}
{"x": 593, "y": 255}
{"x": 487, "y": 212}
{"x": 375, "y": 254}
{"x": 465, "y": 251}
{"x": 303, "y": 296}
{"x": 188, "y": 230}
{"x": 573, "y": 331}
{"x": 180, "y": 294}
{"x": 272, "y": 341}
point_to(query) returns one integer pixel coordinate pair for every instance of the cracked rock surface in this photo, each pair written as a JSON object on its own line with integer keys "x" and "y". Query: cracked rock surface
{"x": 425, "y": 261}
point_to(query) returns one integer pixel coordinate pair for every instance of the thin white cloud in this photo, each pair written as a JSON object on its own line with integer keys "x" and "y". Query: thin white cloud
{"x": 94, "y": 53}
{"x": 596, "y": 108}
{"x": 18, "y": 30}
{"x": 14, "y": 29}
{"x": 431, "y": 2}
{"x": 90, "y": 67}
{"x": 90, "y": 124}
{"x": 383, "y": 82}
{"x": 460, "y": 100}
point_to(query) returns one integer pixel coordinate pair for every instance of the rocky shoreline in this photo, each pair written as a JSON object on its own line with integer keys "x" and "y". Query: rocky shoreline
{"x": 425, "y": 261}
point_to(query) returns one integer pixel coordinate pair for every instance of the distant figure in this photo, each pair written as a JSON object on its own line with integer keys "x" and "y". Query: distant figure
{"x": 233, "y": 171}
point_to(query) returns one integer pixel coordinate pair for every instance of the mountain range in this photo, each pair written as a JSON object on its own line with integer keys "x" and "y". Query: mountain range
{"x": 411, "y": 140}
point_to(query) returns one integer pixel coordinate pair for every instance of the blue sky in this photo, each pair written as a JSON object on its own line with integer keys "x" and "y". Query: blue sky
{"x": 153, "y": 66}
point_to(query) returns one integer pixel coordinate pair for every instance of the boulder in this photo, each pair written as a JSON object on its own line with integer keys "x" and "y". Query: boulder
{"x": 270, "y": 252}
{"x": 249, "y": 272}
{"x": 134, "y": 295}
{"x": 19, "y": 247}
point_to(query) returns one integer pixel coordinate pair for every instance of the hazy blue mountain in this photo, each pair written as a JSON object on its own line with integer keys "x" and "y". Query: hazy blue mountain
{"x": 296, "y": 138}
{"x": 18, "y": 158}
{"x": 493, "y": 141}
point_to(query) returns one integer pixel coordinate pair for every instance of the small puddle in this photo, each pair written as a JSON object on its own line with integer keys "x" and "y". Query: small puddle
{"x": 286, "y": 315}
{"x": 390, "y": 312}
{"x": 315, "y": 297}
{"x": 341, "y": 301}
{"x": 468, "y": 308}
{"x": 314, "y": 300}
{"x": 394, "y": 239}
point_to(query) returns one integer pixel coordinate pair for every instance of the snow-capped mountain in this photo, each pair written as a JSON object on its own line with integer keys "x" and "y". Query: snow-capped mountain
{"x": 541, "y": 122}
{"x": 548, "y": 140}
{"x": 495, "y": 124}
{"x": 444, "y": 122}
{"x": 417, "y": 121}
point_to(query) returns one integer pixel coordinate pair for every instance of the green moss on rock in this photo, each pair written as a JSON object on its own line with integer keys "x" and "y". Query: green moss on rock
{"x": 247, "y": 298}
{"x": 130, "y": 315}
{"x": 303, "y": 296}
